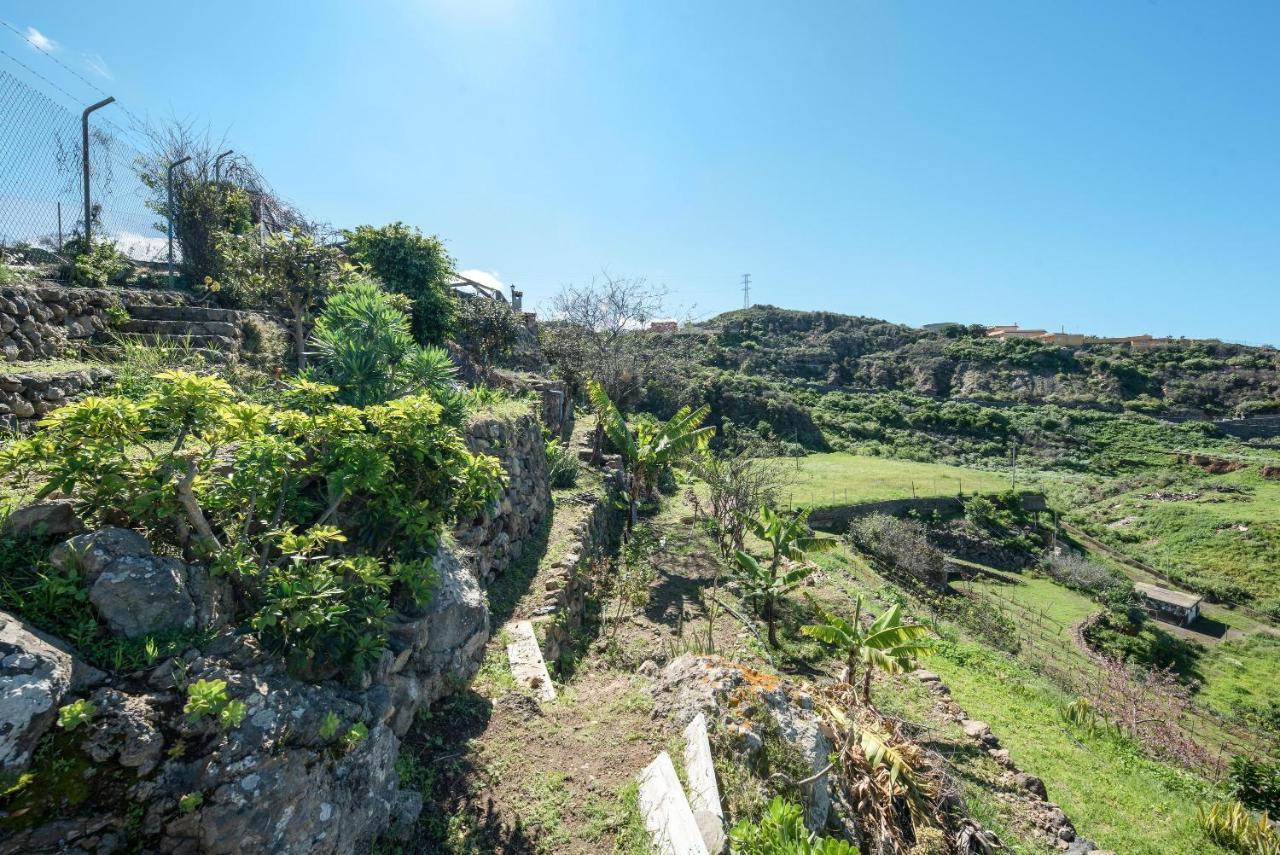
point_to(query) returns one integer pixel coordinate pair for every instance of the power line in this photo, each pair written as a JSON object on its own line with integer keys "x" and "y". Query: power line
{"x": 746, "y": 290}
{"x": 138, "y": 124}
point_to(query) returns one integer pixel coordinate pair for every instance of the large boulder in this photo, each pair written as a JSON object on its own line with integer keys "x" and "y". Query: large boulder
{"x": 56, "y": 516}
{"x": 137, "y": 593}
{"x": 36, "y": 675}
{"x": 745, "y": 702}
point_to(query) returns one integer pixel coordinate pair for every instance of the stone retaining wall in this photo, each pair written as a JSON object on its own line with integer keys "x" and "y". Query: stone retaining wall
{"x": 567, "y": 588}
{"x": 27, "y": 396}
{"x": 499, "y": 535}
{"x": 43, "y": 321}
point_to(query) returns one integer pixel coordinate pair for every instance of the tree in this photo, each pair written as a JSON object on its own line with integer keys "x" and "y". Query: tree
{"x": 366, "y": 349}
{"x": 210, "y": 199}
{"x": 736, "y": 483}
{"x": 486, "y": 328}
{"x": 887, "y": 644}
{"x": 410, "y": 263}
{"x": 650, "y": 448}
{"x": 594, "y": 334}
{"x": 788, "y": 536}
{"x": 288, "y": 271}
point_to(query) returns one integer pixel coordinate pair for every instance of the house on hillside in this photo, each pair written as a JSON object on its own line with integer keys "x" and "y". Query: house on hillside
{"x": 1176, "y": 606}
{"x": 666, "y": 325}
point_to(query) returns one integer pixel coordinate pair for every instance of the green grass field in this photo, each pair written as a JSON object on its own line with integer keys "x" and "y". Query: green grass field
{"x": 838, "y": 478}
{"x": 1216, "y": 533}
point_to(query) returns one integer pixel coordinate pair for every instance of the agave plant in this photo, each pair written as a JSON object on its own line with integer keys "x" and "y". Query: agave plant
{"x": 887, "y": 644}
{"x": 650, "y": 448}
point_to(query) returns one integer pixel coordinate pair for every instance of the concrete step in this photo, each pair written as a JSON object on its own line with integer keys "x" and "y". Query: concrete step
{"x": 527, "y": 665}
{"x": 704, "y": 793}
{"x": 179, "y": 328}
{"x": 199, "y": 314}
{"x": 666, "y": 812}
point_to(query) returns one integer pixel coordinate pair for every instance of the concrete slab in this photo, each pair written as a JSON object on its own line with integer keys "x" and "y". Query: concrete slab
{"x": 666, "y": 812}
{"x": 527, "y": 665}
{"x": 704, "y": 793}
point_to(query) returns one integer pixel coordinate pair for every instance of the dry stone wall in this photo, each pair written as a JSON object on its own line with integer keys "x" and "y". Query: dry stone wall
{"x": 43, "y": 321}
{"x": 27, "y": 396}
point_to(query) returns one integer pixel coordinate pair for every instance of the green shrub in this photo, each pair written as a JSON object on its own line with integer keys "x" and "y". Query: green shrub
{"x": 563, "y": 465}
{"x": 1230, "y": 825}
{"x": 232, "y": 481}
{"x": 366, "y": 348}
{"x": 486, "y": 328}
{"x": 412, "y": 264}
{"x": 781, "y": 831}
{"x": 1255, "y": 783}
{"x": 95, "y": 266}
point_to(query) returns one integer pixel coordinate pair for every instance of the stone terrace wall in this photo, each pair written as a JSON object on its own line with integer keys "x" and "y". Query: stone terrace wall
{"x": 570, "y": 583}
{"x": 497, "y": 537}
{"x": 40, "y": 321}
{"x": 27, "y": 396}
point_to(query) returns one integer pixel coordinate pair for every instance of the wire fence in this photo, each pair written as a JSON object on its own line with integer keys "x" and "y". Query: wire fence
{"x": 41, "y": 178}
{"x": 1050, "y": 647}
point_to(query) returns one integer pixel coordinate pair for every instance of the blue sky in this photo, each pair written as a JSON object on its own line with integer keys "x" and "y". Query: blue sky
{"x": 1108, "y": 167}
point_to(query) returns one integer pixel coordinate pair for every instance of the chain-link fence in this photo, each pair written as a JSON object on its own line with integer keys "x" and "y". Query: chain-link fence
{"x": 41, "y": 178}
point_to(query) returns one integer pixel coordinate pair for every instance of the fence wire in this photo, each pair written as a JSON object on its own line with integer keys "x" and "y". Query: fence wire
{"x": 41, "y": 193}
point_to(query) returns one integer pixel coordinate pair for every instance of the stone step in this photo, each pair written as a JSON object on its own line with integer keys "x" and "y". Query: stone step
{"x": 180, "y": 328}
{"x": 704, "y": 793}
{"x": 527, "y": 665}
{"x": 199, "y": 314}
{"x": 666, "y": 812}
{"x": 201, "y": 342}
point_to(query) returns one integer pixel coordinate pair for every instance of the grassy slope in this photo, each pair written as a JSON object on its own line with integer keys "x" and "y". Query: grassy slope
{"x": 1222, "y": 537}
{"x": 1121, "y": 799}
{"x": 839, "y": 478}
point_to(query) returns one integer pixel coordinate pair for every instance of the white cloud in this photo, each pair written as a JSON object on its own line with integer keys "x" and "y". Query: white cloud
{"x": 40, "y": 41}
{"x": 95, "y": 63}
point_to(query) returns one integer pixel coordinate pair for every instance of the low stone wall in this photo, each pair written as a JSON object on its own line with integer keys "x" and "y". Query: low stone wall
{"x": 567, "y": 588}
{"x": 498, "y": 536}
{"x": 43, "y": 321}
{"x": 1255, "y": 427}
{"x": 27, "y": 396}
{"x": 836, "y": 518}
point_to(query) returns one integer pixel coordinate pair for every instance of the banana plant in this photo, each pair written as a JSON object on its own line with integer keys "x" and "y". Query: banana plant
{"x": 887, "y": 644}
{"x": 649, "y": 448}
{"x": 788, "y": 536}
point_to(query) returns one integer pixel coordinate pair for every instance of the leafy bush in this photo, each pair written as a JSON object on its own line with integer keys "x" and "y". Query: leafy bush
{"x": 1255, "y": 783}
{"x": 781, "y": 831}
{"x": 365, "y": 348}
{"x": 486, "y": 328}
{"x": 223, "y": 478}
{"x": 95, "y": 266}
{"x": 413, "y": 264}
{"x": 563, "y": 465}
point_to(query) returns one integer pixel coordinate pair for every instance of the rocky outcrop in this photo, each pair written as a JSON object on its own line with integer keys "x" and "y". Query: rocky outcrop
{"x": 37, "y": 674}
{"x": 138, "y": 593}
{"x": 748, "y": 704}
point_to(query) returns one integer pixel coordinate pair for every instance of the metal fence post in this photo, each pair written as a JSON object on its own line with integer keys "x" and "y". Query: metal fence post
{"x": 217, "y": 165}
{"x": 84, "y": 139}
{"x": 169, "y": 218}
